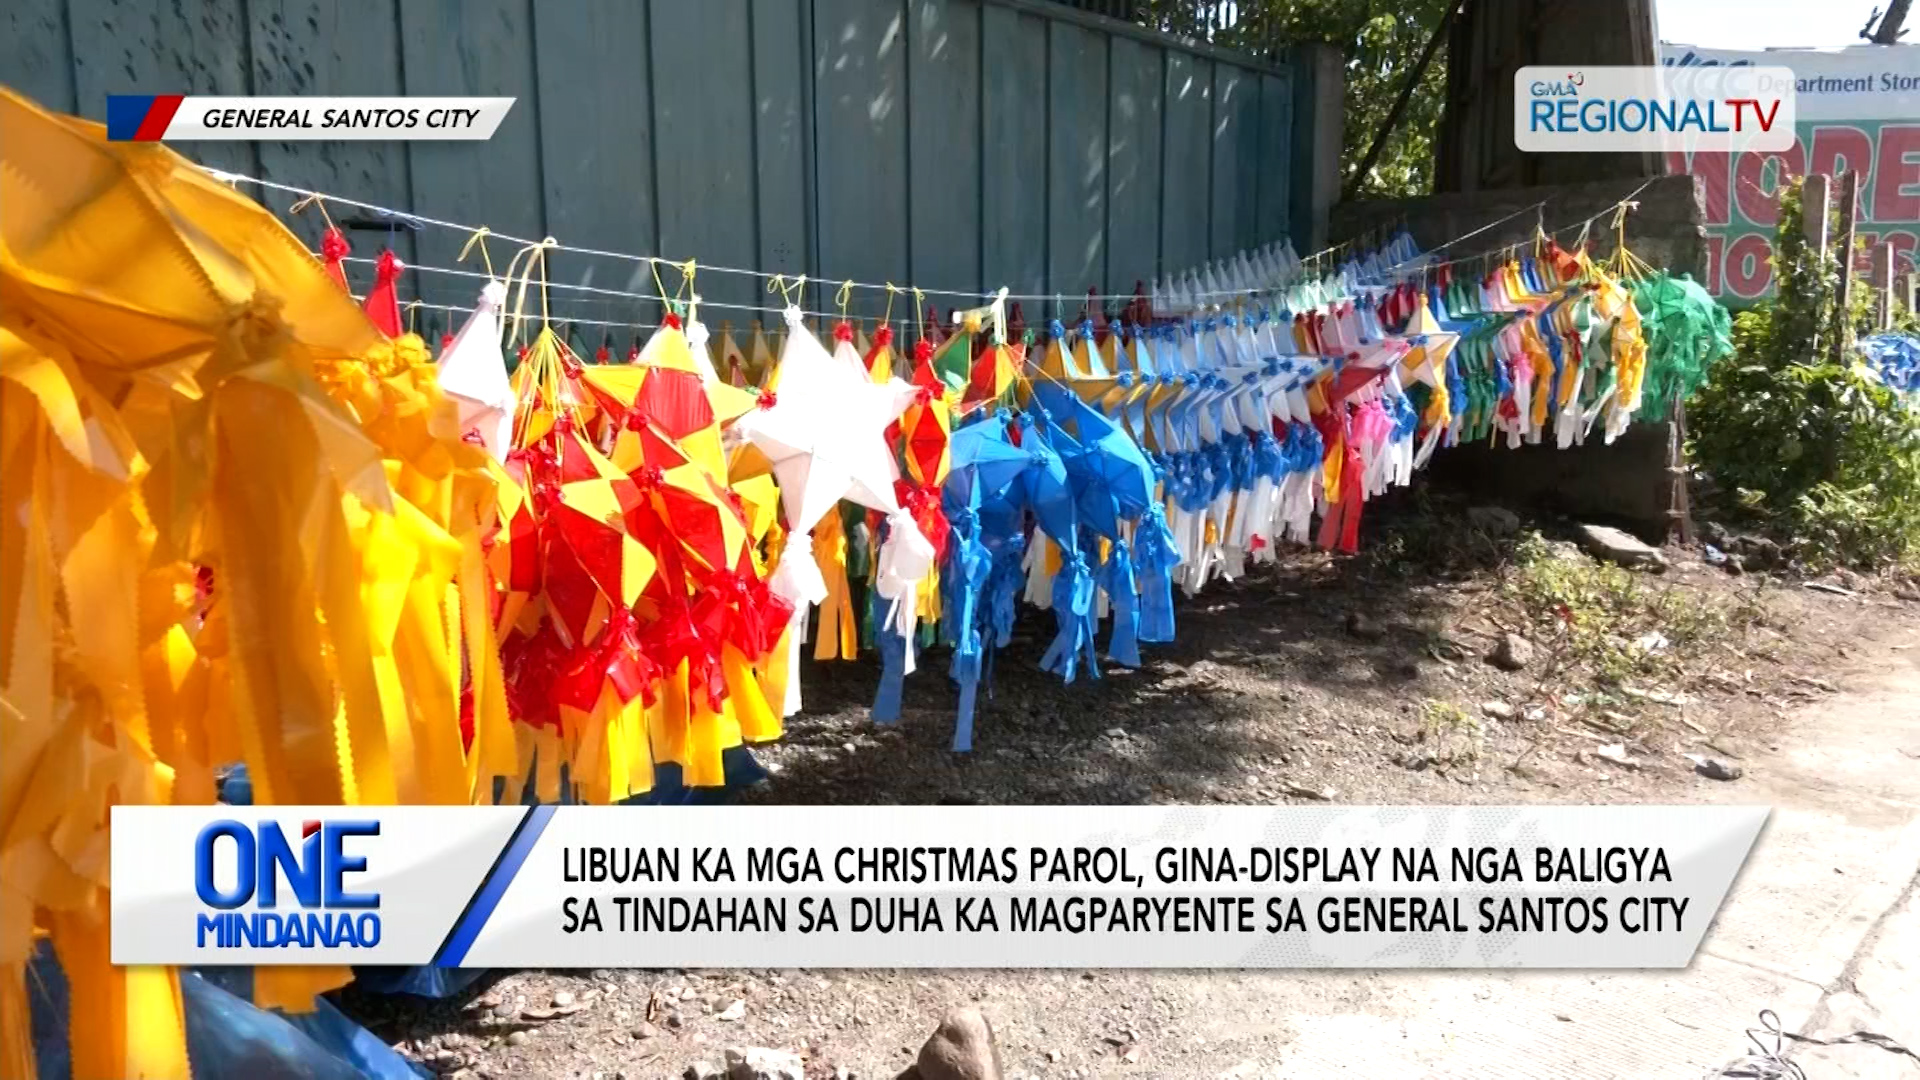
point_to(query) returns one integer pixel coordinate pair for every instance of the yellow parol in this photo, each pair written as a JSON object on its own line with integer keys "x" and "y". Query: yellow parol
{"x": 188, "y": 399}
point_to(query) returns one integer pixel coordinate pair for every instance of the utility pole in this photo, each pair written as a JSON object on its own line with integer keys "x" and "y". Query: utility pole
{"x": 1813, "y": 221}
{"x": 1841, "y": 330}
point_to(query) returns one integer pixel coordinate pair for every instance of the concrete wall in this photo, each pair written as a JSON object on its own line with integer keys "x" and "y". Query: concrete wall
{"x": 1490, "y": 42}
{"x": 1627, "y": 483}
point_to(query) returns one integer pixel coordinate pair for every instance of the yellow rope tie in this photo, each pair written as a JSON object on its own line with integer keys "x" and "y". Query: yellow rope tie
{"x": 658, "y": 285}
{"x": 687, "y": 271}
{"x": 479, "y": 237}
{"x": 318, "y": 202}
{"x": 532, "y": 253}
{"x": 779, "y": 284}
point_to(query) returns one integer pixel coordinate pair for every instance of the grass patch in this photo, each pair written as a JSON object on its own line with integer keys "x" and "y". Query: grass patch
{"x": 1453, "y": 736}
{"x": 1610, "y": 625}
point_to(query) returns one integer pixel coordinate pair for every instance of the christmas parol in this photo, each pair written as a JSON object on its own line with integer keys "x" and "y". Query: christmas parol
{"x": 301, "y": 543}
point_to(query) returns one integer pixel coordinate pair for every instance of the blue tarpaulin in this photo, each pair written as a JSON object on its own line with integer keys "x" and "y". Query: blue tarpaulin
{"x": 1895, "y": 357}
{"x": 228, "y": 1037}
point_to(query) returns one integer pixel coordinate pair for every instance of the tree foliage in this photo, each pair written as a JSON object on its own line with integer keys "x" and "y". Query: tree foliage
{"x": 1381, "y": 41}
{"x": 1825, "y": 453}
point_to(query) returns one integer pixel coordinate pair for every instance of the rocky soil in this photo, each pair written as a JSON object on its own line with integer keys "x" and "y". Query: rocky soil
{"x": 1421, "y": 672}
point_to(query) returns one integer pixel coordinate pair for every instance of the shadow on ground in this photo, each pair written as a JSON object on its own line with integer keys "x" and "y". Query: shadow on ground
{"x": 1260, "y": 667}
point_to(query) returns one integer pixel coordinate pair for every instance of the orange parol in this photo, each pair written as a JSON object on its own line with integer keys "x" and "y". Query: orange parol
{"x": 240, "y": 524}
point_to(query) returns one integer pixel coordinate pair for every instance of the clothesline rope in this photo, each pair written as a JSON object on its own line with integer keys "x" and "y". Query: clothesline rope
{"x": 1468, "y": 236}
{"x": 612, "y": 294}
{"x": 320, "y": 198}
{"x": 411, "y": 304}
{"x": 1550, "y": 233}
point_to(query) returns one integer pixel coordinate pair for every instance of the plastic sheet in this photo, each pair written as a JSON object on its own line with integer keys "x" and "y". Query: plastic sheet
{"x": 1895, "y": 358}
{"x": 228, "y": 1038}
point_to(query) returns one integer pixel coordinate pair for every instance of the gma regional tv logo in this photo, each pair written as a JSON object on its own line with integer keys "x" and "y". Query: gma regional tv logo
{"x": 263, "y": 890}
{"x": 1654, "y": 109}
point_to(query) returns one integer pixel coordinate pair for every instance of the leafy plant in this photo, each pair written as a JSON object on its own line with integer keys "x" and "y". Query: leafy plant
{"x": 1821, "y": 452}
{"x": 1454, "y": 735}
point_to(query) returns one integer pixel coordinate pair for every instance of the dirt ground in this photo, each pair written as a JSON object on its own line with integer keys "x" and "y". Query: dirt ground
{"x": 1361, "y": 680}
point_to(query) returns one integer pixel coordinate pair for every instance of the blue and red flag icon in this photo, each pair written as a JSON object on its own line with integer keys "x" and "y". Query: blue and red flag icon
{"x": 140, "y": 117}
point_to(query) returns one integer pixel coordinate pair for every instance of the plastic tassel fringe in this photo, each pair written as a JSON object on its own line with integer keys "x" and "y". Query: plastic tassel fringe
{"x": 259, "y": 503}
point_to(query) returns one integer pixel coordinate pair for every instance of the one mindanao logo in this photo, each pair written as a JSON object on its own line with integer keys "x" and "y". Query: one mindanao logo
{"x": 1654, "y": 109}
{"x": 264, "y": 891}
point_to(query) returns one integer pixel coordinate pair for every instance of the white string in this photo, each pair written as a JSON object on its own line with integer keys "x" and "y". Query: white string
{"x": 455, "y": 307}
{"x": 1582, "y": 223}
{"x": 1427, "y": 262}
{"x": 404, "y": 216}
{"x": 1467, "y": 236}
{"x": 596, "y": 290}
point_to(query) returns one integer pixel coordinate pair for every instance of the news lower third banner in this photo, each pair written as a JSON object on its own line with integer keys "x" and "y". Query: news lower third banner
{"x": 197, "y": 118}
{"x": 924, "y": 887}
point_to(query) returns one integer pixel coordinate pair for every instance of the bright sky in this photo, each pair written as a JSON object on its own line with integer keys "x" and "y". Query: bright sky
{"x": 1759, "y": 24}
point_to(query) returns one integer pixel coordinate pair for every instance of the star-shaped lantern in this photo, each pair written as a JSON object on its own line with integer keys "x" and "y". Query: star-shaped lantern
{"x": 824, "y": 433}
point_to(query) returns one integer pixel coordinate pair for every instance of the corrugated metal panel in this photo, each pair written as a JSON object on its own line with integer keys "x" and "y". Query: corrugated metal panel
{"x": 1133, "y": 163}
{"x": 142, "y": 48}
{"x": 288, "y": 41}
{"x": 1014, "y": 226}
{"x": 781, "y": 133}
{"x": 1186, "y": 212}
{"x": 959, "y": 144}
{"x": 702, "y": 84}
{"x": 34, "y": 53}
{"x": 1236, "y": 160}
{"x": 945, "y": 147}
{"x": 860, "y": 130}
{"x": 1275, "y": 173}
{"x": 597, "y": 133}
{"x": 453, "y": 47}
{"x": 1077, "y": 157}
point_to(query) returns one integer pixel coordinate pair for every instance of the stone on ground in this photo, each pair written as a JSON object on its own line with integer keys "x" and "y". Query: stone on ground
{"x": 761, "y": 1063}
{"x": 962, "y": 1048}
{"x": 1364, "y": 628}
{"x": 1494, "y": 520}
{"x": 1513, "y": 653}
{"x": 1615, "y": 546}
